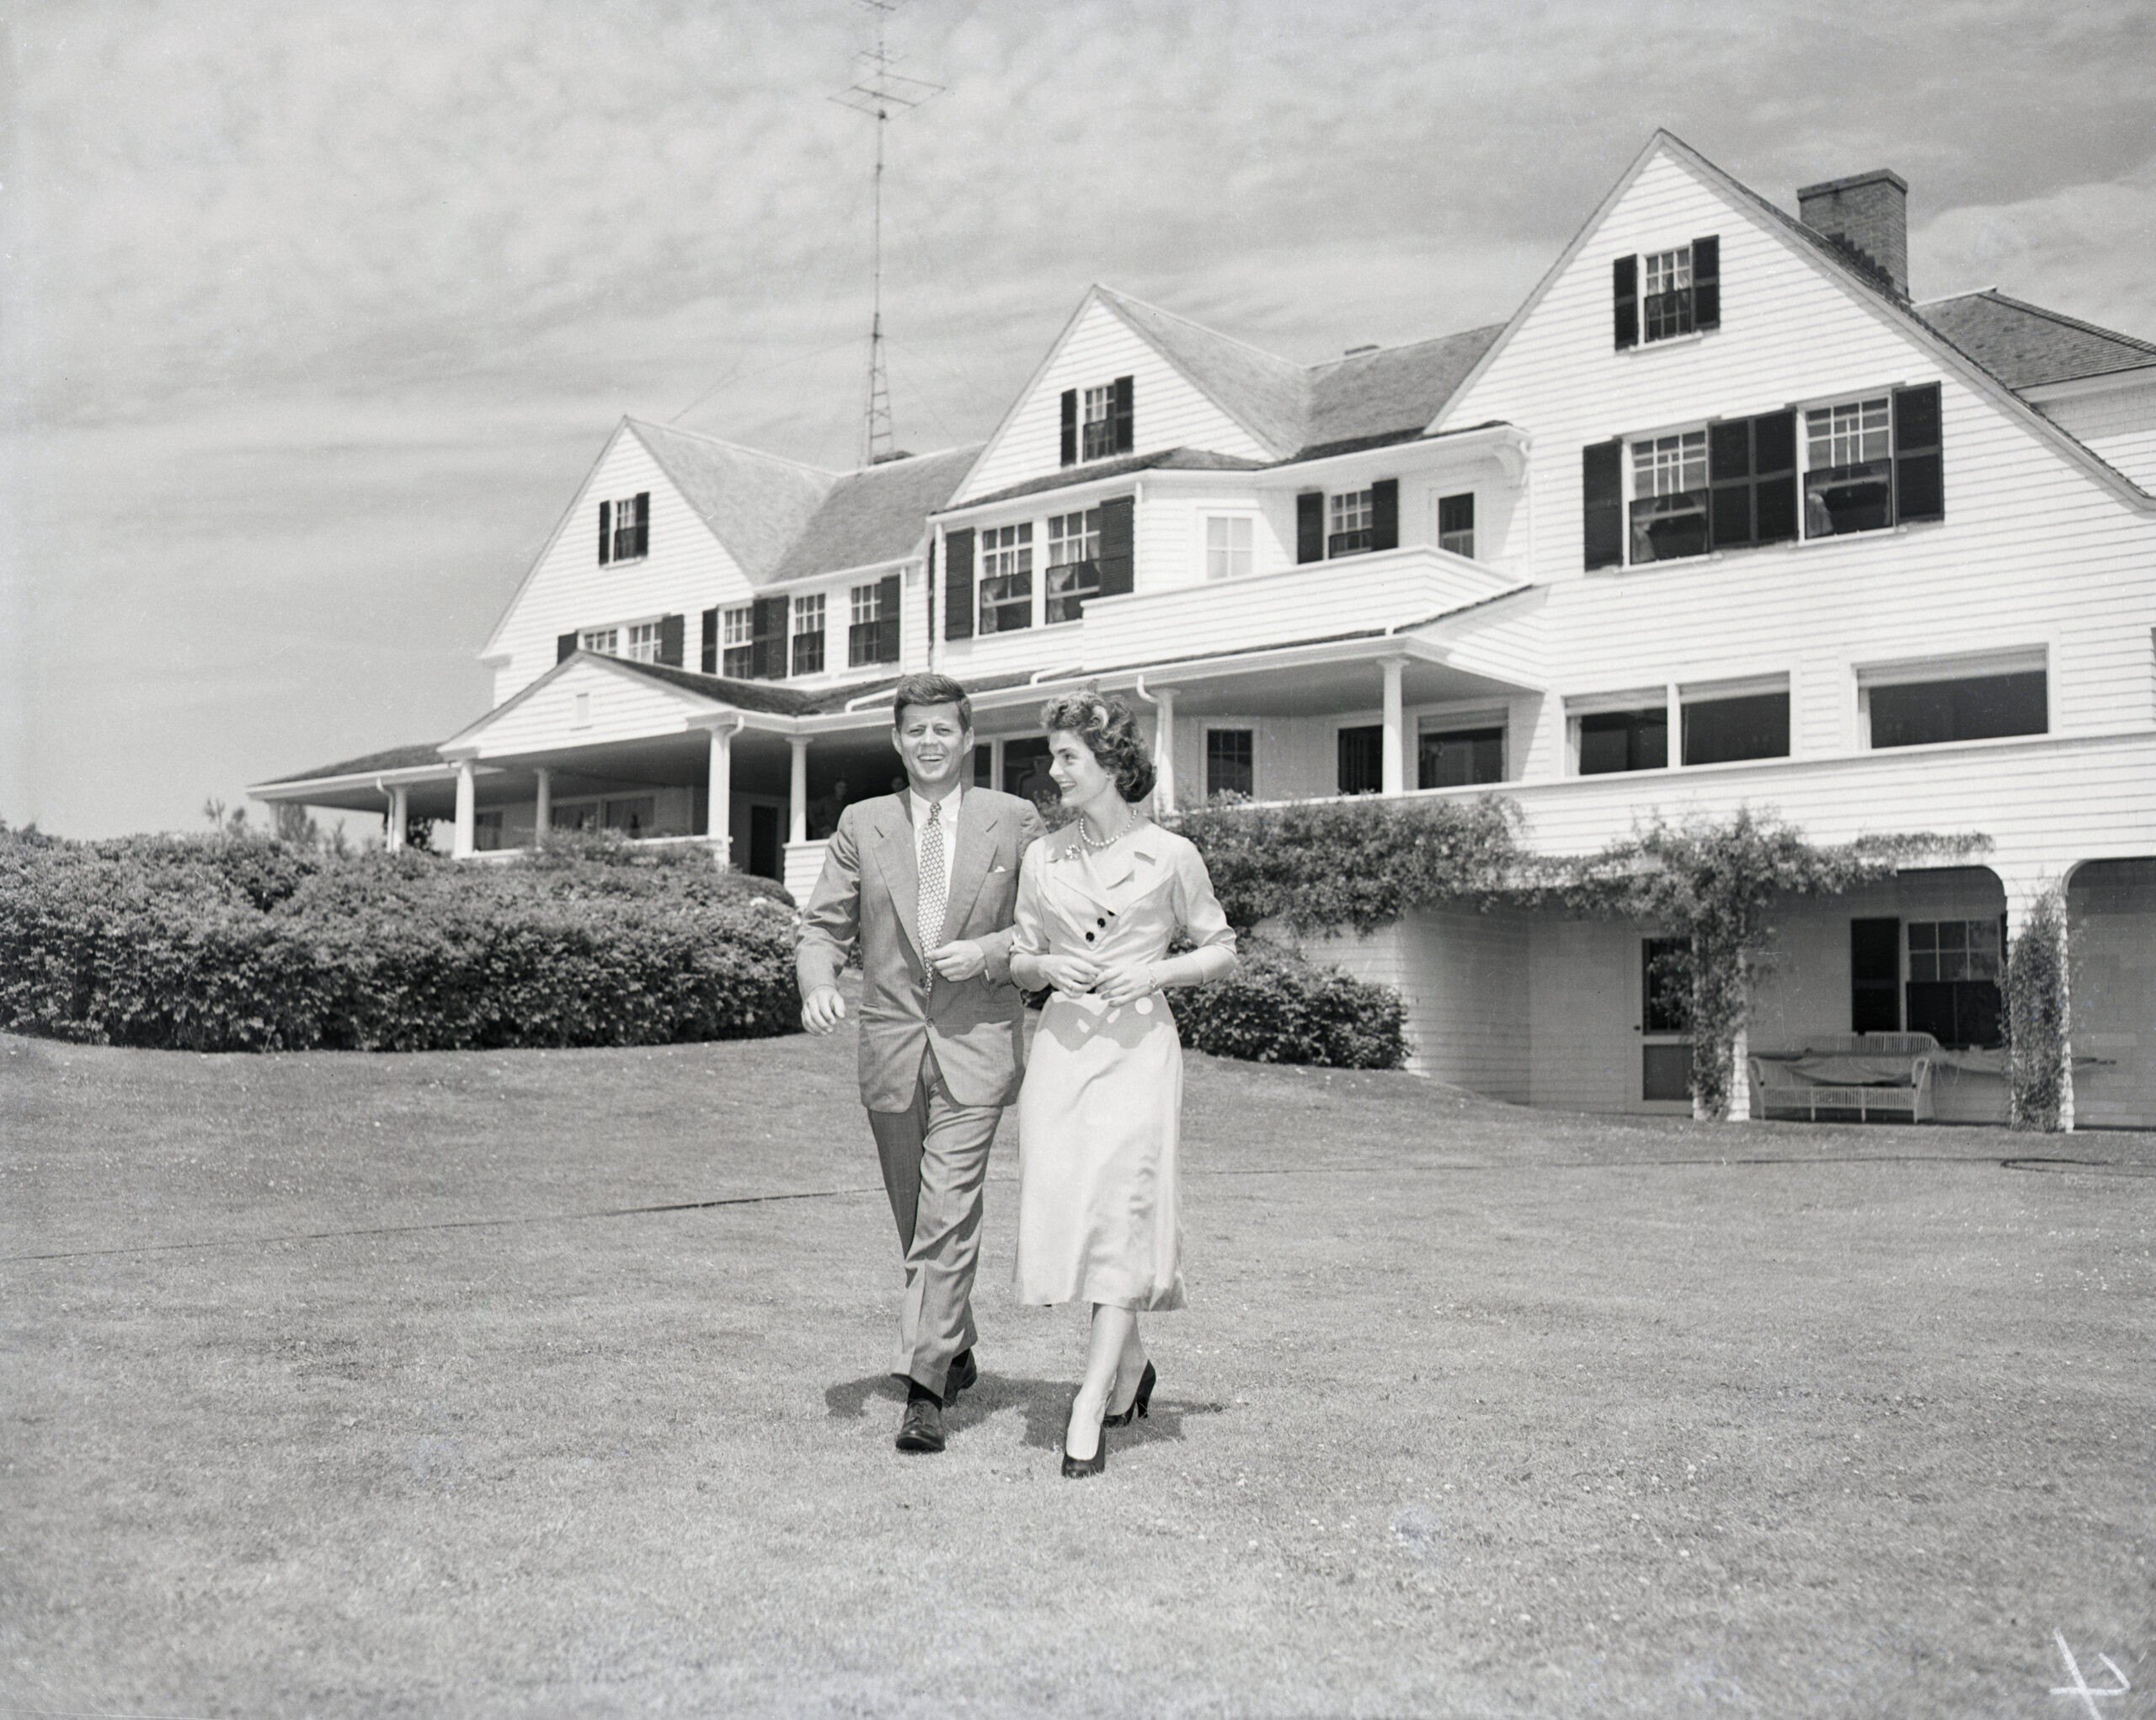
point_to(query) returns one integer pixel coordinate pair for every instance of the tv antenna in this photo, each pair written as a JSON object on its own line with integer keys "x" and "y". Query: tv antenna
{"x": 883, "y": 95}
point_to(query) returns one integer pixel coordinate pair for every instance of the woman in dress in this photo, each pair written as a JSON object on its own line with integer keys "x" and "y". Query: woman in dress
{"x": 1101, "y": 1108}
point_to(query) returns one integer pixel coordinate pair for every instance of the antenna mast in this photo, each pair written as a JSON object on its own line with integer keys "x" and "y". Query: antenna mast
{"x": 881, "y": 95}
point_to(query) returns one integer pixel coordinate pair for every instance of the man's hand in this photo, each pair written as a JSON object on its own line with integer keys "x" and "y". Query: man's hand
{"x": 1126, "y": 982}
{"x": 823, "y": 1010}
{"x": 1070, "y": 973}
{"x": 960, "y": 960}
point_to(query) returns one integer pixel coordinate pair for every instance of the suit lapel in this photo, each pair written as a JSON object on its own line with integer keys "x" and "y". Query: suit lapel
{"x": 895, "y": 854}
{"x": 978, "y": 818}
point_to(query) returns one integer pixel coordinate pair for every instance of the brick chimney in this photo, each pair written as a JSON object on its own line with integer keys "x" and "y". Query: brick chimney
{"x": 1867, "y": 214}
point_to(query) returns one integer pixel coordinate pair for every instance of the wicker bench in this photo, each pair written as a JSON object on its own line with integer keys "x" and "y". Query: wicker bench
{"x": 1783, "y": 1088}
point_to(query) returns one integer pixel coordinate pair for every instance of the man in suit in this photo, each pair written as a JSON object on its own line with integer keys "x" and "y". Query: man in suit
{"x": 925, "y": 882}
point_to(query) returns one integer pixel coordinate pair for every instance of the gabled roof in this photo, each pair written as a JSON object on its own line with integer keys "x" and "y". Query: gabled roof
{"x": 2025, "y": 345}
{"x": 1392, "y": 388}
{"x": 756, "y": 503}
{"x": 1267, "y": 395}
{"x": 876, "y": 514}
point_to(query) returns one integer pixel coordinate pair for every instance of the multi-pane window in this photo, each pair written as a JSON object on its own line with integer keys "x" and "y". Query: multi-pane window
{"x": 1625, "y": 740}
{"x": 631, "y": 526}
{"x": 808, "y": 635}
{"x": 1849, "y": 469}
{"x": 1353, "y": 518}
{"x": 1666, "y": 304}
{"x": 1228, "y": 546}
{"x": 1460, "y": 758}
{"x": 1073, "y": 563}
{"x": 1098, "y": 432}
{"x": 1953, "y": 949}
{"x": 1954, "y": 982}
{"x": 866, "y": 610}
{"x": 1006, "y": 584}
{"x": 1231, "y": 762}
{"x": 604, "y": 640}
{"x": 737, "y": 638}
{"x": 643, "y": 641}
{"x": 1456, "y": 524}
{"x": 1669, "y": 496}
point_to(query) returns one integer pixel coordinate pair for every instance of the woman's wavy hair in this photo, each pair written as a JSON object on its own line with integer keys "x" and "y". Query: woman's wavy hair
{"x": 1110, "y": 732}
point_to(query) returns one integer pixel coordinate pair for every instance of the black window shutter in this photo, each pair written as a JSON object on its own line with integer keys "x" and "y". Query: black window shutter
{"x": 887, "y": 619}
{"x": 643, "y": 522}
{"x": 606, "y": 533}
{"x": 767, "y": 638}
{"x": 711, "y": 642}
{"x": 1384, "y": 513}
{"x": 1706, "y": 282}
{"x": 1069, "y": 426}
{"x": 1919, "y": 470}
{"x": 1118, "y": 558}
{"x": 1625, "y": 279}
{"x": 1729, "y": 481}
{"x": 1773, "y": 478}
{"x": 1310, "y": 525}
{"x": 669, "y": 640}
{"x": 564, "y": 646}
{"x": 1126, "y": 428}
{"x": 1875, "y": 976}
{"x": 958, "y": 584}
{"x": 1602, "y": 500}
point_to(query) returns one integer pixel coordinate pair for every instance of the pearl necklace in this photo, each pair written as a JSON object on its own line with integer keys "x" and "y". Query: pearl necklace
{"x": 1129, "y": 824}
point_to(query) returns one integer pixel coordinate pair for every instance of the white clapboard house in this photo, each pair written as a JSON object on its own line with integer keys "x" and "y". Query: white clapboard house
{"x": 1721, "y": 517}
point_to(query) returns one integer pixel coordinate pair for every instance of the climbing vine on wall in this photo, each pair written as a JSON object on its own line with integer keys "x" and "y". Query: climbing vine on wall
{"x": 2037, "y": 1018}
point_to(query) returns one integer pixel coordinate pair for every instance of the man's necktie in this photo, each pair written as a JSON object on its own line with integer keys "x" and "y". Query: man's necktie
{"x": 933, "y": 885}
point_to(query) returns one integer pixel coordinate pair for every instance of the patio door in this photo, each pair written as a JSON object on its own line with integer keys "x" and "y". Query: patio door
{"x": 1665, "y": 1020}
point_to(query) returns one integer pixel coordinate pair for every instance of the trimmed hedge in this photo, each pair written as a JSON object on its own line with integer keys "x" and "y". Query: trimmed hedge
{"x": 229, "y": 944}
{"x": 1276, "y": 1008}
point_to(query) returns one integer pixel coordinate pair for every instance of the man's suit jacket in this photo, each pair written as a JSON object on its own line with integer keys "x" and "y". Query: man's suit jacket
{"x": 869, "y": 894}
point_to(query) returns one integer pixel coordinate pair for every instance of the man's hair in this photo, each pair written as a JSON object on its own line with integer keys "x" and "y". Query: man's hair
{"x": 931, "y": 690}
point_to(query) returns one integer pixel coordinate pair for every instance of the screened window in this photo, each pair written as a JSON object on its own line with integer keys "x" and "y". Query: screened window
{"x": 737, "y": 634}
{"x": 1669, "y": 497}
{"x": 643, "y": 641}
{"x": 1073, "y": 563}
{"x": 1724, "y": 730}
{"x": 1460, "y": 758}
{"x": 1228, "y": 546}
{"x": 1231, "y": 762}
{"x": 1456, "y": 524}
{"x": 1848, "y": 467}
{"x": 1353, "y": 519}
{"x": 1006, "y": 585}
{"x": 1972, "y": 708}
{"x": 1361, "y": 760}
{"x": 1667, "y": 306}
{"x": 604, "y": 640}
{"x": 1624, "y": 740}
{"x": 808, "y": 635}
{"x": 1097, "y": 433}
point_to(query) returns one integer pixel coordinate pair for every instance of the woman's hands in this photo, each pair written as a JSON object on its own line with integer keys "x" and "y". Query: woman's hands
{"x": 1124, "y": 982}
{"x": 1073, "y": 974}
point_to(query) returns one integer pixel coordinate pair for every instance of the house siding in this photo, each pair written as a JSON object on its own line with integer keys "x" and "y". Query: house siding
{"x": 2119, "y": 424}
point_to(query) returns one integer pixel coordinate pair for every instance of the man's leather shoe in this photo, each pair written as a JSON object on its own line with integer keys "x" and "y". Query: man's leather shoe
{"x": 963, "y": 1376}
{"x": 922, "y": 1429}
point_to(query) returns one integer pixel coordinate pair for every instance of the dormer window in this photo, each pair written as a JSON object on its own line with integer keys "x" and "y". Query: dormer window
{"x": 1353, "y": 514}
{"x": 604, "y": 640}
{"x": 1108, "y": 426}
{"x": 1664, "y": 294}
{"x": 625, "y": 528}
{"x": 1347, "y": 522}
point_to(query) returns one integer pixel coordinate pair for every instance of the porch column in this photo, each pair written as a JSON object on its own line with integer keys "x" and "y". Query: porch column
{"x": 718, "y": 827}
{"x": 543, "y": 806}
{"x": 400, "y": 817}
{"x": 1164, "y": 750}
{"x": 466, "y": 804}
{"x": 1395, "y": 779}
{"x": 796, "y": 827}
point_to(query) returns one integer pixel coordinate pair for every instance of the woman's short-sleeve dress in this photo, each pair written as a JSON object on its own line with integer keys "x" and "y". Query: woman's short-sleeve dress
{"x": 1099, "y": 1216}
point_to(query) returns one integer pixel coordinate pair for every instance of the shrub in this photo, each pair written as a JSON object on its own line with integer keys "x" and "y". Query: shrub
{"x": 1276, "y": 1008}
{"x": 200, "y": 945}
{"x": 2037, "y": 1018}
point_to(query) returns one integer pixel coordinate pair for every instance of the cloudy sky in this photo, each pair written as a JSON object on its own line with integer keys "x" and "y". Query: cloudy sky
{"x": 312, "y": 316}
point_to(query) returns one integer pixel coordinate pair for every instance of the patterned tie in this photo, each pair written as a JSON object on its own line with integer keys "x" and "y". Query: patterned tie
{"x": 933, "y": 885}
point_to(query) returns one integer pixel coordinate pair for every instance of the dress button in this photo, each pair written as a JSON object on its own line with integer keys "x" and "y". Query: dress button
{"x": 1089, "y": 937}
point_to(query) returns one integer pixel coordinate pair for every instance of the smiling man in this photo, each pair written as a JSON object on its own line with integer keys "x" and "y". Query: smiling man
{"x": 925, "y": 884}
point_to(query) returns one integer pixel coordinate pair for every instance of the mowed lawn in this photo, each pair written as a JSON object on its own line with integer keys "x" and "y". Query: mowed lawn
{"x": 551, "y": 1383}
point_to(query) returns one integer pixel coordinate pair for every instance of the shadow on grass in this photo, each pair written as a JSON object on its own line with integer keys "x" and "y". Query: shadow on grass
{"x": 1044, "y": 1403}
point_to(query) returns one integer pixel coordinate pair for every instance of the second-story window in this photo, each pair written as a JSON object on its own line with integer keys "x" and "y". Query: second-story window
{"x": 808, "y": 635}
{"x": 643, "y": 641}
{"x": 1228, "y": 546}
{"x": 625, "y": 528}
{"x": 1665, "y": 304}
{"x": 737, "y": 638}
{"x": 1073, "y": 563}
{"x": 604, "y": 640}
{"x": 1456, "y": 524}
{"x": 1098, "y": 422}
{"x": 1848, "y": 467}
{"x": 1669, "y": 497}
{"x": 1350, "y": 520}
{"x": 1007, "y": 581}
{"x": 1097, "y": 431}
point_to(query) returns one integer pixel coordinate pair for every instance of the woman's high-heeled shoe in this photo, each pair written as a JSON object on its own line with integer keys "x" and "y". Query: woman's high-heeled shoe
{"x": 1078, "y": 1468}
{"x": 1141, "y": 1404}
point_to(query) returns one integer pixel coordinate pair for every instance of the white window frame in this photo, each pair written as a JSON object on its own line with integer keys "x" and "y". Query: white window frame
{"x": 1884, "y": 400}
{"x": 1665, "y": 272}
{"x": 1227, "y": 726}
{"x": 1060, "y": 538}
{"x": 626, "y": 507}
{"x": 605, "y": 641}
{"x": 640, "y": 641}
{"x": 1231, "y": 560}
{"x": 1005, "y": 553}
{"x": 1436, "y": 522}
{"x": 1097, "y": 423}
{"x": 1969, "y": 665}
{"x": 737, "y": 632}
{"x": 805, "y": 620}
{"x": 1656, "y": 443}
{"x": 1347, "y": 511}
